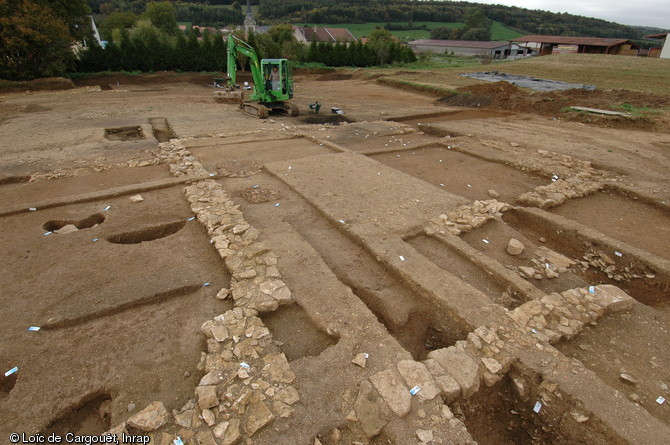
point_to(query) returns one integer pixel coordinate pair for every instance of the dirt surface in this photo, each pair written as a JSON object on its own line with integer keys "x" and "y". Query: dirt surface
{"x": 103, "y": 253}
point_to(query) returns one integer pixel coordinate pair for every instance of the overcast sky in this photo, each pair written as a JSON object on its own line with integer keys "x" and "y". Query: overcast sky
{"x": 627, "y": 12}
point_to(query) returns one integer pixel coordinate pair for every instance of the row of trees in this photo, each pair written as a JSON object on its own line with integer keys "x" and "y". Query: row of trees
{"x": 360, "y": 11}
{"x": 477, "y": 27}
{"x": 137, "y": 6}
{"x": 210, "y": 13}
{"x": 152, "y": 50}
{"x": 202, "y": 13}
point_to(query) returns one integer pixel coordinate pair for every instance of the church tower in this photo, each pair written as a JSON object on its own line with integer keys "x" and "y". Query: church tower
{"x": 249, "y": 22}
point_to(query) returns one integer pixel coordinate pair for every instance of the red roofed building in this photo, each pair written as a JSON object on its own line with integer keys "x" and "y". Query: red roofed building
{"x": 588, "y": 45}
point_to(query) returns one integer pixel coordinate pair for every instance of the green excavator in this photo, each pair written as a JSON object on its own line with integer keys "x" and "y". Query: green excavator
{"x": 272, "y": 79}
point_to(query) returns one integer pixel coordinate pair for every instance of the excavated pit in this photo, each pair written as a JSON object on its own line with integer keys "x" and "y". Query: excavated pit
{"x": 147, "y": 234}
{"x": 133, "y": 133}
{"x": 7, "y": 384}
{"x": 89, "y": 222}
{"x": 299, "y": 336}
{"x": 91, "y": 417}
{"x": 496, "y": 416}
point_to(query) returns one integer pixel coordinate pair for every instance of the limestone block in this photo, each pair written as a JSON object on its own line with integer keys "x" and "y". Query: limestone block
{"x": 613, "y": 299}
{"x": 207, "y": 397}
{"x": 150, "y": 418}
{"x": 461, "y": 366}
{"x": 370, "y": 410}
{"x": 259, "y": 415}
{"x": 416, "y": 374}
{"x": 390, "y": 386}
{"x": 449, "y": 387}
{"x": 515, "y": 247}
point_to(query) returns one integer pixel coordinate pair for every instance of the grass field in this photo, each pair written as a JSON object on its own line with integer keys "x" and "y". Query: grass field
{"x": 498, "y": 30}
{"x": 649, "y": 75}
{"x": 502, "y": 32}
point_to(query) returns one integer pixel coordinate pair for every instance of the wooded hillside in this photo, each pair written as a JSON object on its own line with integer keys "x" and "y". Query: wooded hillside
{"x": 211, "y": 13}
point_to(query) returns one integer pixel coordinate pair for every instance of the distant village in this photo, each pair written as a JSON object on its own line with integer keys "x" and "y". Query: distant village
{"x": 524, "y": 46}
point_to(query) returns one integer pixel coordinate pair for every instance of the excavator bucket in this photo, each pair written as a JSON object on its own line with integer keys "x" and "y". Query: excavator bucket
{"x": 230, "y": 96}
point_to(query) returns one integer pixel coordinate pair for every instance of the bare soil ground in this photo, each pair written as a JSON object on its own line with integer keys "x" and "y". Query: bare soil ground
{"x": 120, "y": 286}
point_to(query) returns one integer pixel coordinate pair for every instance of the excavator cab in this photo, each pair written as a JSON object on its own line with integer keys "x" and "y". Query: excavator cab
{"x": 278, "y": 79}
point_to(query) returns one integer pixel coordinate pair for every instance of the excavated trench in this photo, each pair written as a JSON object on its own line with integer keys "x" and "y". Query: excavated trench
{"x": 639, "y": 351}
{"x": 333, "y": 119}
{"x": 451, "y": 261}
{"x": 106, "y": 311}
{"x": 299, "y": 336}
{"x": 598, "y": 263}
{"x": 14, "y": 179}
{"x": 492, "y": 238}
{"x": 161, "y": 128}
{"x": 413, "y": 323}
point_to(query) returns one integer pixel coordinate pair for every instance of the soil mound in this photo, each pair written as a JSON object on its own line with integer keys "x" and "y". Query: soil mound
{"x": 466, "y": 100}
{"x": 496, "y": 90}
{"x": 45, "y": 84}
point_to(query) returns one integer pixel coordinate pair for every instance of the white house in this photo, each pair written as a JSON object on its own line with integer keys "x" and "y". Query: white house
{"x": 665, "y": 46}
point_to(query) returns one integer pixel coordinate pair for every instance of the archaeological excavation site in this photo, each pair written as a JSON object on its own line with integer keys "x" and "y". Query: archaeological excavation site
{"x": 415, "y": 269}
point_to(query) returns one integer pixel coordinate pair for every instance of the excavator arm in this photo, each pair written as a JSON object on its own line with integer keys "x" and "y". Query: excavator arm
{"x": 237, "y": 46}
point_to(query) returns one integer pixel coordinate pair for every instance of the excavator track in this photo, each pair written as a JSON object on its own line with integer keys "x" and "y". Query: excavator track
{"x": 254, "y": 109}
{"x": 291, "y": 109}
